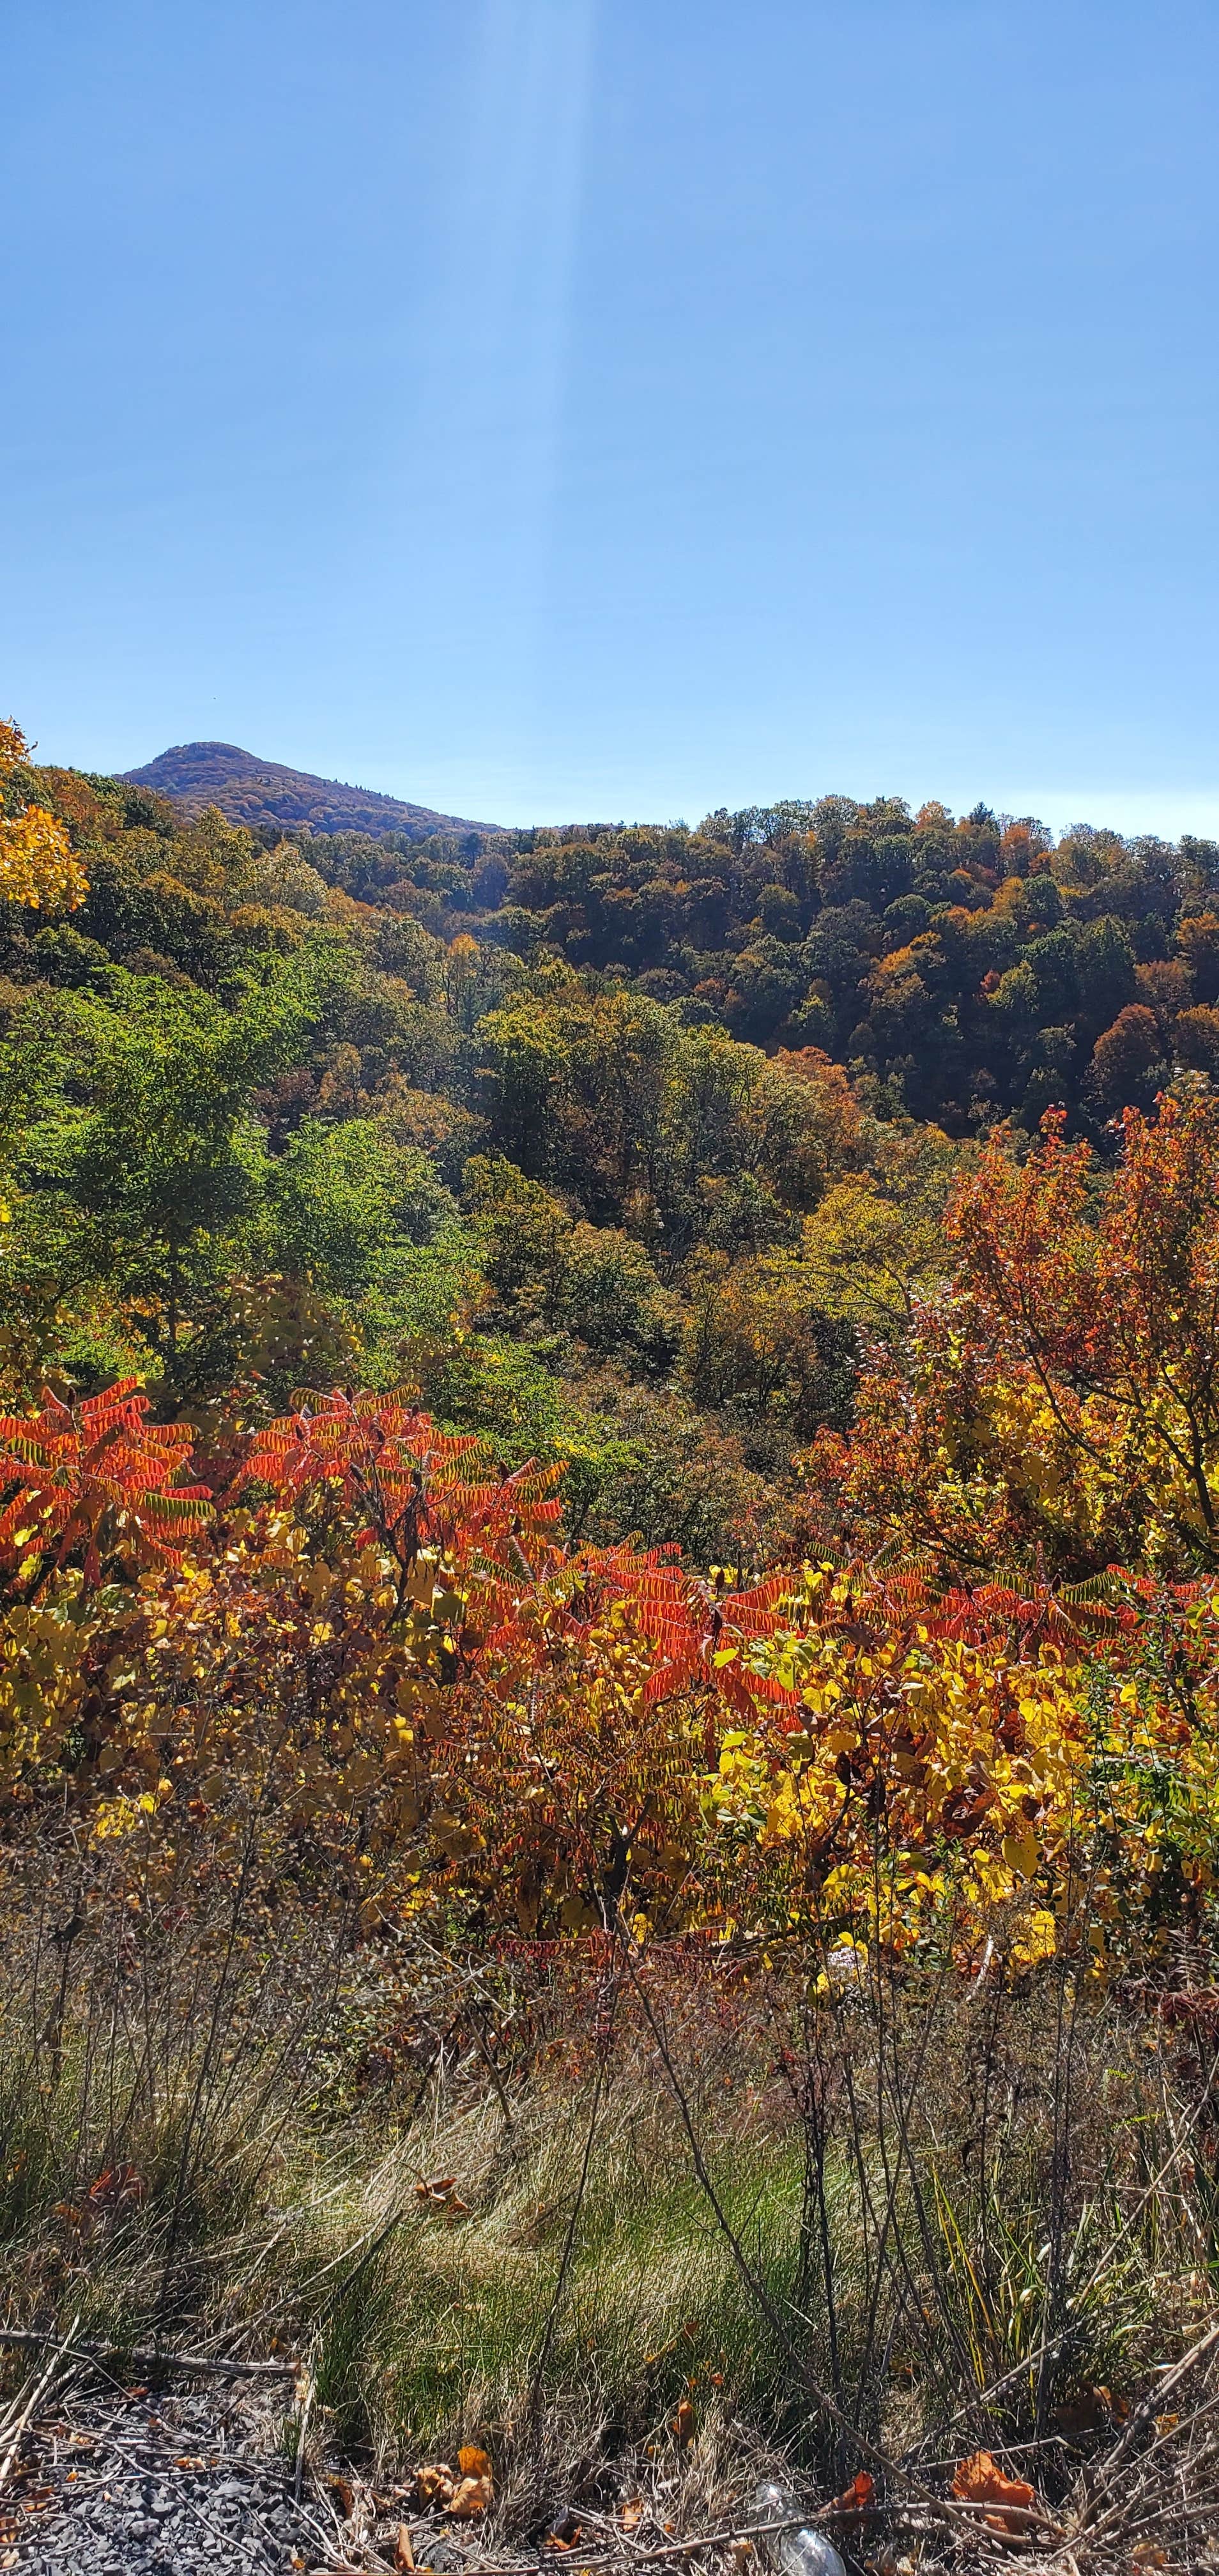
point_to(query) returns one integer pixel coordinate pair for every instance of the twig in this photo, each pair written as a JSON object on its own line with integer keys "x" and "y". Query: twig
{"x": 1149, "y": 2405}
{"x": 632, "y": 2553}
{"x": 104, "y": 2353}
{"x": 39, "y": 2389}
{"x": 298, "y": 2473}
{"x": 608, "y": 2010}
{"x": 752, "y": 2280}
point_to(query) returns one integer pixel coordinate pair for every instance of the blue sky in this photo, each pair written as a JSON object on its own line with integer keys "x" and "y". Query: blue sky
{"x": 562, "y": 408}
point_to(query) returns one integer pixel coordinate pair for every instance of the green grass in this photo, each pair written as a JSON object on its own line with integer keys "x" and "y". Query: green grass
{"x": 445, "y": 2334}
{"x": 565, "y": 2312}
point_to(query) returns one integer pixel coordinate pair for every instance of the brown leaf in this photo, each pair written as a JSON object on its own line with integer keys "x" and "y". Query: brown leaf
{"x": 404, "y": 2555}
{"x": 472, "y": 2462}
{"x": 120, "y": 2187}
{"x": 442, "y": 2193}
{"x": 683, "y": 2421}
{"x": 434, "y": 2484}
{"x": 1086, "y": 2413}
{"x": 472, "y": 2497}
{"x": 980, "y": 2480}
{"x": 438, "y": 2188}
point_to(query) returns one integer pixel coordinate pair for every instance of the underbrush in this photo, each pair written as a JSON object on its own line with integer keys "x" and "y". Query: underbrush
{"x": 633, "y": 2216}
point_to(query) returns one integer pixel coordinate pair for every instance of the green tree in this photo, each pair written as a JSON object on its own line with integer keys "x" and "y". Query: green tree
{"x": 341, "y": 1197}
{"x": 145, "y": 1160}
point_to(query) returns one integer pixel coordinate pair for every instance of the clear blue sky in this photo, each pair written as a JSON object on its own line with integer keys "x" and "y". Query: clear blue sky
{"x": 562, "y": 408}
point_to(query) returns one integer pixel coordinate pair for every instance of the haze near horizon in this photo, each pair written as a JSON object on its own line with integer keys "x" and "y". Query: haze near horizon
{"x": 541, "y": 410}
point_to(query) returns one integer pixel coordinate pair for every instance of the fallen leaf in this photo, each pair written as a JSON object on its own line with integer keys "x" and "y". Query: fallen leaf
{"x": 472, "y": 2496}
{"x": 1087, "y": 2413}
{"x": 980, "y": 2480}
{"x": 564, "y": 2533}
{"x": 472, "y": 2462}
{"x": 858, "y": 2496}
{"x": 434, "y": 2485}
{"x": 632, "y": 2512}
{"x": 346, "y": 2495}
{"x": 404, "y": 2555}
{"x": 683, "y": 2421}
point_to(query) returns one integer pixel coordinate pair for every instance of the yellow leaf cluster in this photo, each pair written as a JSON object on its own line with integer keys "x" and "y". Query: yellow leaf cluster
{"x": 38, "y": 865}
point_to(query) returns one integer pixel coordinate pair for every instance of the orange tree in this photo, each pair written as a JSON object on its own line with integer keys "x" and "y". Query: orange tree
{"x": 1058, "y": 1401}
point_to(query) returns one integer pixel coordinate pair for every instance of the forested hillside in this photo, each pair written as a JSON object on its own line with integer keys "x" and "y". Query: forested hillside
{"x": 609, "y": 1694}
{"x": 587, "y": 1221}
{"x": 974, "y": 968}
{"x": 971, "y": 968}
{"x": 268, "y": 795}
{"x": 590, "y": 1203}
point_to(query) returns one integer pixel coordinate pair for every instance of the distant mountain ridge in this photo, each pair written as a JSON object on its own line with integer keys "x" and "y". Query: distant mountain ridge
{"x": 265, "y": 793}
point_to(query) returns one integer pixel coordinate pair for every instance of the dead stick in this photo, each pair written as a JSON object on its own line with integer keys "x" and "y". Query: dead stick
{"x": 110, "y": 2352}
{"x": 632, "y": 2554}
{"x": 39, "y": 2389}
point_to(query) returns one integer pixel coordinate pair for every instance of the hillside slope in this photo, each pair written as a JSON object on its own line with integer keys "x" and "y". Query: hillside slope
{"x": 266, "y": 793}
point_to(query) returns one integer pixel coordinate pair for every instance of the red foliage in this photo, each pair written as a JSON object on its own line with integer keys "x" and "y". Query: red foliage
{"x": 69, "y": 1470}
{"x": 690, "y": 1621}
{"x": 385, "y": 1460}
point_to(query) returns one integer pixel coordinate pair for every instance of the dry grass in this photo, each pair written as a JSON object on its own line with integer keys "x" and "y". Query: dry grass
{"x": 878, "y": 2232}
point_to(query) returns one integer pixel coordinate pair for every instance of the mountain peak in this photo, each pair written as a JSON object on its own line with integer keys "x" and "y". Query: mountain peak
{"x": 266, "y": 792}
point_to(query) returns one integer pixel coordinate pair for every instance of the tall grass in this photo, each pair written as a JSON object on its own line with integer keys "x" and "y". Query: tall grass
{"x": 878, "y": 2227}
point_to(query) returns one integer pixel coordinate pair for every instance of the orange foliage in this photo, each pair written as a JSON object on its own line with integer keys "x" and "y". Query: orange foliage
{"x": 378, "y": 1647}
{"x": 74, "y": 1477}
{"x": 980, "y": 2480}
{"x": 1061, "y": 1403}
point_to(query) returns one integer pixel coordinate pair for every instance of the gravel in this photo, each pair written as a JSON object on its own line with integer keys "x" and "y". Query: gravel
{"x": 127, "y": 2485}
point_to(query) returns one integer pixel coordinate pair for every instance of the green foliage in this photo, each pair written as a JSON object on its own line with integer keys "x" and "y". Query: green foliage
{"x": 340, "y": 1197}
{"x": 551, "y": 1121}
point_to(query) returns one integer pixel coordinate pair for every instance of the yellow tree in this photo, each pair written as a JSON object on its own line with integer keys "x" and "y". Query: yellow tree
{"x": 37, "y": 863}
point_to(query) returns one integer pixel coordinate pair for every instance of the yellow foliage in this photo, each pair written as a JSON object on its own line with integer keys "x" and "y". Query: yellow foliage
{"x": 38, "y": 866}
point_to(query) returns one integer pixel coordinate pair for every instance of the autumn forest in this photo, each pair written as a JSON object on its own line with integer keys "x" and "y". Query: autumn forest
{"x": 610, "y": 1491}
